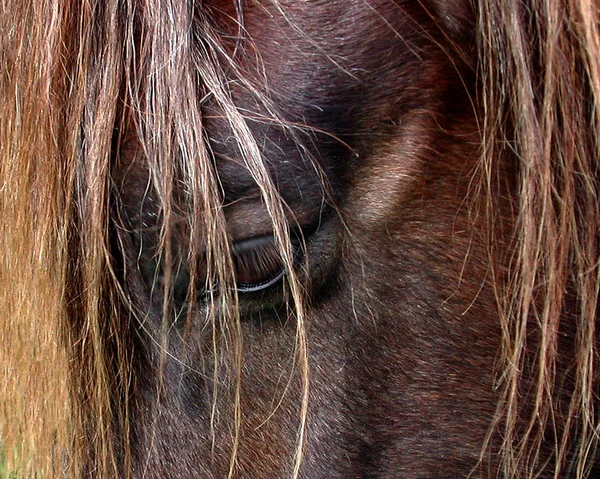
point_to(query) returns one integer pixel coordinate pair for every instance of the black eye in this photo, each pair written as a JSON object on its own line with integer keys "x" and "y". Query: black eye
{"x": 258, "y": 264}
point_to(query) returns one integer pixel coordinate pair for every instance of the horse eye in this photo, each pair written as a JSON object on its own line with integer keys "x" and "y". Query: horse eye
{"x": 258, "y": 264}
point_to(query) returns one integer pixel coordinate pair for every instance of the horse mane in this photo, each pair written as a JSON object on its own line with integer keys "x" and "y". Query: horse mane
{"x": 80, "y": 81}
{"x": 540, "y": 69}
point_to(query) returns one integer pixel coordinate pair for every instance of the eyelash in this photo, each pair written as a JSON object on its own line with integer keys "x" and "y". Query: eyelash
{"x": 258, "y": 264}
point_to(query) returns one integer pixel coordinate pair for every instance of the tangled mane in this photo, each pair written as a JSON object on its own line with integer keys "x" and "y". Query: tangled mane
{"x": 542, "y": 71}
{"x": 84, "y": 83}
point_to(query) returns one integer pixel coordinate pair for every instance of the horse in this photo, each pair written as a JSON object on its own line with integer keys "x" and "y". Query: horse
{"x": 300, "y": 239}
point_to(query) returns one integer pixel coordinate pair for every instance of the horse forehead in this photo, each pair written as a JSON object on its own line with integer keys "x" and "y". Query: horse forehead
{"x": 342, "y": 70}
{"x": 349, "y": 20}
{"x": 337, "y": 70}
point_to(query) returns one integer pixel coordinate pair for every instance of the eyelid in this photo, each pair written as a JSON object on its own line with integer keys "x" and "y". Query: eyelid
{"x": 258, "y": 264}
{"x": 251, "y": 243}
{"x": 251, "y": 288}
